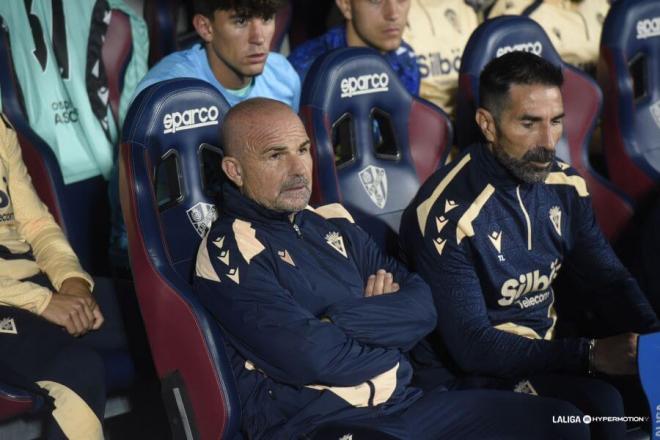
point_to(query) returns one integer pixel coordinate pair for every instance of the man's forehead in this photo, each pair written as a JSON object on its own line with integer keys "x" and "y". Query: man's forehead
{"x": 268, "y": 135}
{"x": 529, "y": 95}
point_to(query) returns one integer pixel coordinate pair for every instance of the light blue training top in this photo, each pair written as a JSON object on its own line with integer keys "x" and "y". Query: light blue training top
{"x": 278, "y": 81}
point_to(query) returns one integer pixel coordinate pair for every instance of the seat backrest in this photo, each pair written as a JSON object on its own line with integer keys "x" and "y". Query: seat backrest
{"x": 629, "y": 74}
{"x": 373, "y": 143}
{"x": 162, "y": 17}
{"x": 81, "y": 210}
{"x": 168, "y": 146}
{"x": 582, "y": 102}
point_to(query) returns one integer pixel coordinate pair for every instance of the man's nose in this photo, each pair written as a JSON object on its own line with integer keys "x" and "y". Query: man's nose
{"x": 297, "y": 165}
{"x": 392, "y": 10}
{"x": 257, "y": 31}
{"x": 549, "y": 136}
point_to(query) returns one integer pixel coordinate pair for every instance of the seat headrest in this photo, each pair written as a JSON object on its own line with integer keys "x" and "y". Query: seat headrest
{"x": 175, "y": 113}
{"x": 506, "y": 34}
{"x": 360, "y": 74}
{"x": 632, "y": 25}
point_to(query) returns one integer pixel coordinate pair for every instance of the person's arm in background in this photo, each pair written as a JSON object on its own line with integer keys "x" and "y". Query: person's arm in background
{"x": 52, "y": 252}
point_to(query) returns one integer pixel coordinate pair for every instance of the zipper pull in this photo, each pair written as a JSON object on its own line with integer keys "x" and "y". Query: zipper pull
{"x": 297, "y": 229}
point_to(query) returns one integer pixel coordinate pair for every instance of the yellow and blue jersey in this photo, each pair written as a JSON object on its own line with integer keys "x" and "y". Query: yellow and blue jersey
{"x": 490, "y": 247}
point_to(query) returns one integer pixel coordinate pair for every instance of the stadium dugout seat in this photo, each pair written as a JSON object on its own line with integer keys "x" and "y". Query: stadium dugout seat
{"x": 17, "y": 401}
{"x": 169, "y": 162}
{"x": 629, "y": 73}
{"x": 372, "y": 142}
{"x": 163, "y": 16}
{"x": 80, "y": 210}
{"x": 648, "y": 359}
{"x": 582, "y": 104}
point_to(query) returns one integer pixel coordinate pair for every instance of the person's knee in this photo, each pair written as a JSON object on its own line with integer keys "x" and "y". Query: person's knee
{"x": 82, "y": 370}
{"x": 605, "y": 399}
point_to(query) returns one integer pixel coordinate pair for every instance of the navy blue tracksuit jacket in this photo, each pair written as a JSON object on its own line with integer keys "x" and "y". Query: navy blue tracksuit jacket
{"x": 306, "y": 346}
{"x": 490, "y": 246}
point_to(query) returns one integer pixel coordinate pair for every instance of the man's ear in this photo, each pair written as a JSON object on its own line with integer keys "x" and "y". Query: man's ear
{"x": 203, "y": 26}
{"x": 345, "y": 8}
{"x": 232, "y": 168}
{"x": 486, "y": 122}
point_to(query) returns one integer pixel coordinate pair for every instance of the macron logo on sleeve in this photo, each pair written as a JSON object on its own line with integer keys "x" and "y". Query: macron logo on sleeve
{"x": 364, "y": 84}
{"x": 191, "y": 118}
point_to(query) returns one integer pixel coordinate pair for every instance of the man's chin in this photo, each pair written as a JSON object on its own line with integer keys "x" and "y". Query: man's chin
{"x": 293, "y": 204}
{"x": 533, "y": 176}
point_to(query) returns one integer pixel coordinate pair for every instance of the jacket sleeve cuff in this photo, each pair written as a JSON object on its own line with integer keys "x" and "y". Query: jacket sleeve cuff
{"x": 57, "y": 283}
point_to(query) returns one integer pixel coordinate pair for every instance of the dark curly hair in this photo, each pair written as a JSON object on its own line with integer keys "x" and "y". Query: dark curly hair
{"x": 243, "y": 8}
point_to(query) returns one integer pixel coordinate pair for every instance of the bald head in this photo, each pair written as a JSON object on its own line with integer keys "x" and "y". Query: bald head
{"x": 267, "y": 154}
{"x": 249, "y": 121}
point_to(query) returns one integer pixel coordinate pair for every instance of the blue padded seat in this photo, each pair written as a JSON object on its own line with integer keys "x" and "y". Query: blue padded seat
{"x": 629, "y": 74}
{"x": 168, "y": 205}
{"x": 372, "y": 142}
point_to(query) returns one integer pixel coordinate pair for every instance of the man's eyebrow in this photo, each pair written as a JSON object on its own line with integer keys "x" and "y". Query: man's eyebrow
{"x": 281, "y": 148}
{"x": 275, "y": 148}
{"x": 532, "y": 118}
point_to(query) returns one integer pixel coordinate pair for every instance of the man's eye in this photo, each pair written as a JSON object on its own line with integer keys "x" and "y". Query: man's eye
{"x": 557, "y": 122}
{"x": 527, "y": 124}
{"x": 240, "y": 21}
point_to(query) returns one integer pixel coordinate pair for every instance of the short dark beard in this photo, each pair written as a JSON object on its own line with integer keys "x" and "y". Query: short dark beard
{"x": 522, "y": 168}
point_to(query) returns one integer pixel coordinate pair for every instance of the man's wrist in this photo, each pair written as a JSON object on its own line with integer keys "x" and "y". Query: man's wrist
{"x": 591, "y": 369}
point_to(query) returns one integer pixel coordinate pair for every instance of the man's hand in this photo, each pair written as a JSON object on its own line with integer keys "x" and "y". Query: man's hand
{"x": 616, "y": 355}
{"x": 74, "y": 308}
{"x": 72, "y": 312}
{"x": 79, "y": 287}
{"x": 380, "y": 283}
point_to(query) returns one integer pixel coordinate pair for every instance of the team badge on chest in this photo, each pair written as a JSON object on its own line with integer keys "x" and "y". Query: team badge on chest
{"x": 337, "y": 242}
{"x": 555, "y": 218}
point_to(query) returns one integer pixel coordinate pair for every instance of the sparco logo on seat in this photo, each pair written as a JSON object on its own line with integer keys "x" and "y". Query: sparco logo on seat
{"x": 364, "y": 84}
{"x": 647, "y": 28}
{"x": 191, "y": 118}
{"x": 534, "y": 47}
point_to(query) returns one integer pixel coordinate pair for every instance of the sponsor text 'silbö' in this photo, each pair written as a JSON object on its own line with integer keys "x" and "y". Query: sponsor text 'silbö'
{"x": 191, "y": 118}
{"x": 364, "y": 84}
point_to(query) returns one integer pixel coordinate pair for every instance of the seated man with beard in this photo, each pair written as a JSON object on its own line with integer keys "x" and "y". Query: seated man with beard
{"x": 491, "y": 231}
